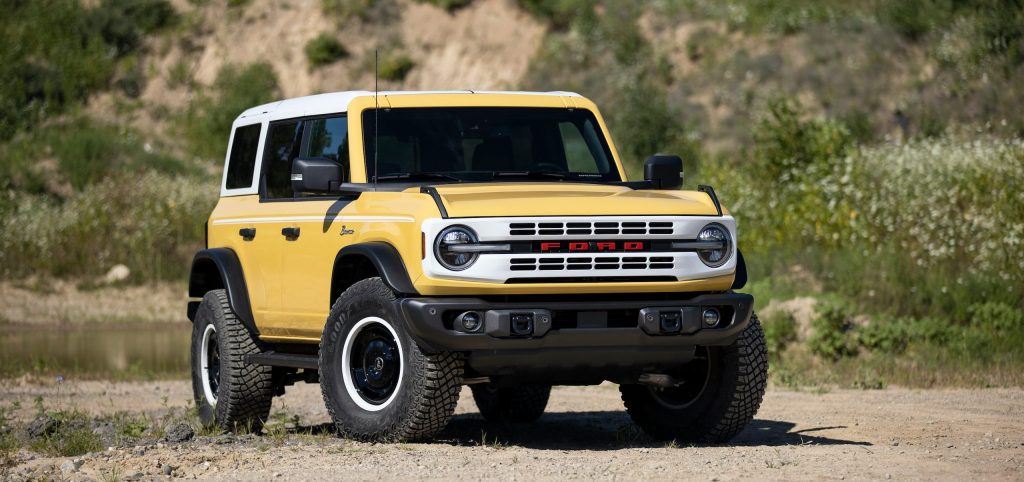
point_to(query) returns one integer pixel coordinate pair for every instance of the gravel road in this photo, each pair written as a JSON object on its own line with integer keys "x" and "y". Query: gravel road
{"x": 961, "y": 434}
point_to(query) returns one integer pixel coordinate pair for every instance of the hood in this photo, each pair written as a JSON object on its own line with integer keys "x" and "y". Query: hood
{"x": 568, "y": 199}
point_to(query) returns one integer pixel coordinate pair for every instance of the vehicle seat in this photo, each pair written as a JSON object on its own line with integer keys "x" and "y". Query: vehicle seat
{"x": 493, "y": 154}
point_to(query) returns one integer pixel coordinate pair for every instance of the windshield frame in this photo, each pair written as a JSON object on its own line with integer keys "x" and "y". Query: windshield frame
{"x": 597, "y": 135}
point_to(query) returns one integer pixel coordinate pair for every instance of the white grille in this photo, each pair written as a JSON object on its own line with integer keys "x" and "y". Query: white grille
{"x": 588, "y": 228}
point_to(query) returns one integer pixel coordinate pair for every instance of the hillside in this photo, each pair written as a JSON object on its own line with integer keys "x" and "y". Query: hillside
{"x": 871, "y": 150}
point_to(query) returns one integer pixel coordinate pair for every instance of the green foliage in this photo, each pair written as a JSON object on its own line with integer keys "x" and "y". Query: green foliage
{"x": 153, "y": 223}
{"x": 72, "y": 437}
{"x": 124, "y": 23}
{"x": 8, "y": 442}
{"x": 448, "y": 5}
{"x": 394, "y": 66}
{"x": 997, "y": 316}
{"x": 779, "y": 332}
{"x": 345, "y": 9}
{"x": 324, "y": 49}
{"x": 787, "y": 143}
{"x": 560, "y": 13}
{"x": 209, "y": 117}
{"x": 831, "y": 337}
{"x": 75, "y": 154}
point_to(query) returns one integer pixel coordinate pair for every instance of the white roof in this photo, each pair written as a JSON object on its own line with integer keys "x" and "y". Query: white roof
{"x": 337, "y": 102}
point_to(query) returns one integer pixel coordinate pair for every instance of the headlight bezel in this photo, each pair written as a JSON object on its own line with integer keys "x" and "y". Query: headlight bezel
{"x": 439, "y": 242}
{"x": 726, "y": 249}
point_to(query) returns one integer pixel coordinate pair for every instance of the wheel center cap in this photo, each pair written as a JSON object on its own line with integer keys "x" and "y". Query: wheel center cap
{"x": 378, "y": 363}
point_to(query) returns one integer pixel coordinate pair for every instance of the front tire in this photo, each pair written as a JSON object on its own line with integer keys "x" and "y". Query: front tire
{"x": 522, "y": 404}
{"x": 376, "y": 382}
{"x": 229, "y": 393}
{"x": 722, "y": 391}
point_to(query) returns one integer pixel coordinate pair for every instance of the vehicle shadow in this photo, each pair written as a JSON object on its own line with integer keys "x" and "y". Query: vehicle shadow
{"x": 602, "y": 430}
{"x": 609, "y": 430}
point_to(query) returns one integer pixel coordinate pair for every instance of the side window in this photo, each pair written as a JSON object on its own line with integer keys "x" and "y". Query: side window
{"x": 282, "y": 147}
{"x": 328, "y": 139}
{"x": 242, "y": 160}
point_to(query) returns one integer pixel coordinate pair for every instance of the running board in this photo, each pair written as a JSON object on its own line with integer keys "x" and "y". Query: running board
{"x": 290, "y": 360}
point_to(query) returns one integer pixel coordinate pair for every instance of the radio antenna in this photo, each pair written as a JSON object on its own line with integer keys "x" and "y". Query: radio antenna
{"x": 376, "y": 114}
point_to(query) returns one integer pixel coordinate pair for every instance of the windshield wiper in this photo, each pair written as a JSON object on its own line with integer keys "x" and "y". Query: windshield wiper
{"x": 532, "y": 174}
{"x": 413, "y": 176}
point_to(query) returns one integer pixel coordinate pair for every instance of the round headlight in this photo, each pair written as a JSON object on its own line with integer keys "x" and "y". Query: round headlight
{"x": 715, "y": 233}
{"x": 452, "y": 259}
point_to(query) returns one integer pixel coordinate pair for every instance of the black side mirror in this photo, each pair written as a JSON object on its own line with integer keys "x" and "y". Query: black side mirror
{"x": 316, "y": 175}
{"x": 664, "y": 172}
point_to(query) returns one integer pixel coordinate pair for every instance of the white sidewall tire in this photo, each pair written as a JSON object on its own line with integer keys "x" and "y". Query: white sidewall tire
{"x": 346, "y": 368}
{"x": 204, "y": 372}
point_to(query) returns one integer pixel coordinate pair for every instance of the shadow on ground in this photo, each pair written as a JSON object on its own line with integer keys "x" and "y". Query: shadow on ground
{"x": 605, "y": 430}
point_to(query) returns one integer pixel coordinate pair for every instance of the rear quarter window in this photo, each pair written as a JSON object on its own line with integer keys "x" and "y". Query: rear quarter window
{"x": 242, "y": 159}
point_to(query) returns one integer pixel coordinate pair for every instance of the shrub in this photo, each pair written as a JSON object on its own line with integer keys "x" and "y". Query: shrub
{"x": 345, "y": 9}
{"x": 324, "y": 49}
{"x": 786, "y": 143}
{"x": 448, "y": 5}
{"x": 996, "y": 315}
{"x": 123, "y": 23}
{"x": 831, "y": 336}
{"x": 779, "y": 332}
{"x": 394, "y": 66}
{"x": 209, "y": 117}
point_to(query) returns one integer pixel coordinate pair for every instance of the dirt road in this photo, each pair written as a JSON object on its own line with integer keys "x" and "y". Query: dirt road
{"x": 839, "y": 435}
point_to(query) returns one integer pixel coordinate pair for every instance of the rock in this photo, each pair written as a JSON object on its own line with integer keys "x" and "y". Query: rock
{"x": 42, "y": 426}
{"x": 118, "y": 272}
{"x": 179, "y": 432}
{"x": 70, "y": 466}
{"x": 168, "y": 470}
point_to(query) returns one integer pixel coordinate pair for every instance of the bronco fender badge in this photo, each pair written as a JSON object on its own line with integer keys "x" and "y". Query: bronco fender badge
{"x": 345, "y": 230}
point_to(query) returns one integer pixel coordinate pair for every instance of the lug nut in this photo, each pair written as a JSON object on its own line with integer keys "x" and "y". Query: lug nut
{"x": 711, "y": 317}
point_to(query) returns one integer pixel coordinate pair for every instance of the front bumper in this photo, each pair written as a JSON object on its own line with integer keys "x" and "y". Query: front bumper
{"x": 575, "y": 338}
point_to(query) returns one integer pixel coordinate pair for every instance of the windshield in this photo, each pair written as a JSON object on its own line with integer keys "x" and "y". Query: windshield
{"x": 453, "y": 144}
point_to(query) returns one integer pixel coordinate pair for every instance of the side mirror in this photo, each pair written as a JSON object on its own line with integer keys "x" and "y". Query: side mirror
{"x": 664, "y": 172}
{"x": 316, "y": 175}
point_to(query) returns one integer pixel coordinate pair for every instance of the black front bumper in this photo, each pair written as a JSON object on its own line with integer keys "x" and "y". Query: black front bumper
{"x": 576, "y": 338}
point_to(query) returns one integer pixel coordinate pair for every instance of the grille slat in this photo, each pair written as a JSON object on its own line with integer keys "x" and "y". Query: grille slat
{"x": 588, "y": 263}
{"x": 578, "y": 228}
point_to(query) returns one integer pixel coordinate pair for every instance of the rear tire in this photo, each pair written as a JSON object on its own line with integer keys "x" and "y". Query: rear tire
{"x": 520, "y": 404}
{"x": 229, "y": 392}
{"x": 376, "y": 382}
{"x": 723, "y": 389}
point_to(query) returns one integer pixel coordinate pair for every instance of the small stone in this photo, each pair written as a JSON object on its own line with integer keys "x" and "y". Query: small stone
{"x": 168, "y": 470}
{"x": 180, "y": 432}
{"x": 70, "y": 466}
{"x": 277, "y": 474}
{"x": 118, "y": 272}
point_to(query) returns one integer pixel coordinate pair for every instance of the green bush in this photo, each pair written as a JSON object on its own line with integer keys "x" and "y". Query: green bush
{"x": 345, "y": 9}
{"x": 831, "y": 336}
{"x": 448, "y": 5}
{"x": 786, "y": 142}
{"x": 124, "y": 23}
{"x": 395, "y": 66}
{"x": 996, "y": 315}
{"x": 324, "y": 49}
{"x": 208, "y": 119}
{"x": 151, "y": 222}
{"x": 779, "y": 332}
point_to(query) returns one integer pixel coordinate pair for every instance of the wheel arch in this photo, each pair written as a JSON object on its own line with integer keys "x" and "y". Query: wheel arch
{"x": 365, "y": 260}
{"x": 219, "y": 268}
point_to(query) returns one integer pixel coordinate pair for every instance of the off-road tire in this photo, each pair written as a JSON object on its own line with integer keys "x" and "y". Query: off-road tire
{"x": 738, "y": 375}
{"x": 245, "y": 391}
{"x": 520, "y": 404}
{"x": 427, "y": 388}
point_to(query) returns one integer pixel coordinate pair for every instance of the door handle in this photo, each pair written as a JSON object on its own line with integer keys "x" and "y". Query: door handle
{"x": 290, "y": 232}
{"x": 247, "y": 233}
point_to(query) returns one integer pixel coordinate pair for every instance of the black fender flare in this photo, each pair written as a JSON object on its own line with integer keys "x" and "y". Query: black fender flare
{"x": 386, "y": 260}
{"x": 217, "y": 268}
{"x": 741, "y": 271}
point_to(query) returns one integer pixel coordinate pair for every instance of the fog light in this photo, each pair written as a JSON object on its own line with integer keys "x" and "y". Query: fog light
{"x": 470, "y": 320}
{"x": 711, "y": 317}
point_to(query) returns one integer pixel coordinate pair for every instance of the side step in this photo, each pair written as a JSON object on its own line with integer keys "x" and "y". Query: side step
{"x": 290, "y": 360}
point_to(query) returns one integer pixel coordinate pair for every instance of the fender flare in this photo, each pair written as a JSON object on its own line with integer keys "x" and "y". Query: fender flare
{"x": 229, "y": 275}
{"x": 741, "y": 271}
{"x": 386, "y": 260}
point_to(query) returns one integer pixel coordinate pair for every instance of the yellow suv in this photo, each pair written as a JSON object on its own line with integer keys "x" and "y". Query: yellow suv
{"x": 396, "y": 246}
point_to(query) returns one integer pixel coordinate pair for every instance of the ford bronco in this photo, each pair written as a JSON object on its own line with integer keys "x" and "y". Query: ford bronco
{"x": 395, "y": 246}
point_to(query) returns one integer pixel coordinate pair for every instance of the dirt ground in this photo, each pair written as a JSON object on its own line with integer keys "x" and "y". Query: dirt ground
{"x": 838, "y": 435}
